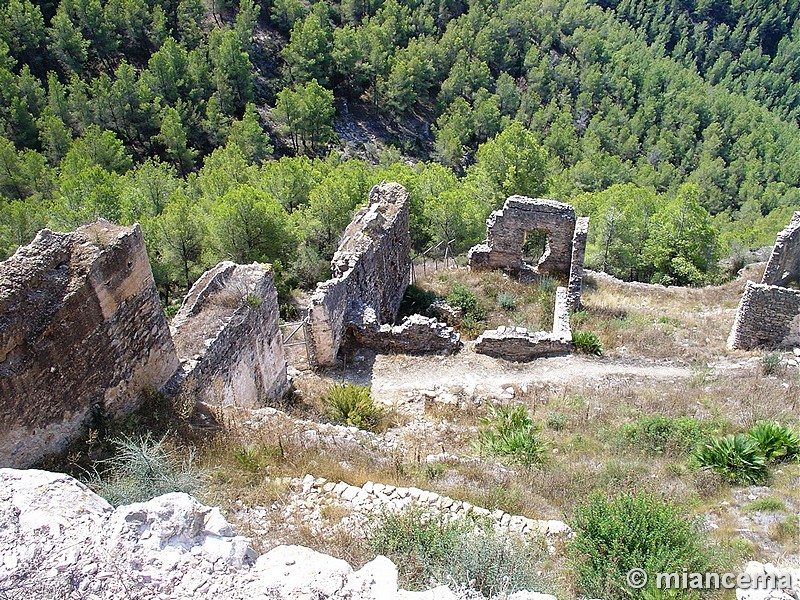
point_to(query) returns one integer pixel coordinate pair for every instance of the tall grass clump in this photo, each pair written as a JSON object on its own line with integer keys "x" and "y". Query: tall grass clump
{"x": 737, "y": 458}
{"x": 614, "y": 535}
{"x": 465, "y": 299}
{"x": 141, "y": 469}
{"x": 587, "y": 342}
{"x": 354, "y": 406}
{"x": 659, "y": 435}
{"x": 511, "y": 433}
{"x": 771, "y": 363}
{"x": 464, "y": 554}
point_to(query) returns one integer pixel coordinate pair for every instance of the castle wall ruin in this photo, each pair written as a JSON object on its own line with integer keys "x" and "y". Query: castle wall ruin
{"x": 228, "y": 339}
{"x": 769, "y": 312}
{"x": 83, "y": 337}
{"x": 783, "y": 266}
{"x": 371, "y": 267}
{"x": 768, "y": 317}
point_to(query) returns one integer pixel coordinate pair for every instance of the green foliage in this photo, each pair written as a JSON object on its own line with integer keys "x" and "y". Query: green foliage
{"x": 777, "y": 442}
{"x": 141, "y": 469}
{"x": 656, "y": 434}
{"x": 587, "y": 342}
{"x": 305, "y": 114}
{"x": 615, "y": 535}
{"x": 511, "y": 433}
{"x": 354, "y": 406}
{"x": 556, "y": 420}
{"x": 416, "y": 300}
{"x": 462, "y": 554}
{"x": 771, "y": 362}
{"x": 464, "y": 298}
{"x": 737, "y": 458}
{"x": 766, "y": 504}
{"x": 507, "y": 302}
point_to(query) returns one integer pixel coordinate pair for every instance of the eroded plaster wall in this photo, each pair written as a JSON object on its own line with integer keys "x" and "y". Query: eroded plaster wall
{"x": 83, "y": 337}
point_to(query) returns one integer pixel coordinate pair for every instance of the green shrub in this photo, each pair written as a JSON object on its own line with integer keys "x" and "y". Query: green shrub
{"x": 587, "y": 342}
{"x": 766, "y": 504}
{"x": 142, "y": 469}
{"x": 416, "y": 300}
{"x": 556, "y": 420}
{"x": 464, "y": 298}
{"x": 462, "y": 553}
{"x": 737, "y": 458}
{"x": 353, "y": 405}
{"x": 656, "y": 434}
{"x": 613, "y": 536}
{"x": 777, "y": 442}
{"x": 506, "y": 301}
{"x": 252, "y": 300}
{"x": 510, "y": 432}
{"x": 771, "y": 362}
{"x": 578, "y": 318}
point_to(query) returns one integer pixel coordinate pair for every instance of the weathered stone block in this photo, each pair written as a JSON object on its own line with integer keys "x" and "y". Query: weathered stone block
{"x": 417, "y": 334}
{"x": 520, "y": 345}
{"x": 372, "y": 266}
{"x": 768, "y": 316}
{"x": 83, "y": 337}
{"x": 228, "y": 338}
{"x": 575, "y": 286}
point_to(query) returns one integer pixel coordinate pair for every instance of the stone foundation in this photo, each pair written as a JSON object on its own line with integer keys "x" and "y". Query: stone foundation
{"x": 228, "y": 338}
{"x": 83, "y": 337}
{"x": 768, "y": 316}
{"x": 520, "y": 345}
{"x": 372, "y": 266}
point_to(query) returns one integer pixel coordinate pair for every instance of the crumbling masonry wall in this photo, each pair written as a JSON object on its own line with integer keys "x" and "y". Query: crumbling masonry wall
{"x": 83, "y": 337}
{"x": 575, "y": 285}
{"x": 372, "y": 267}
{"x": 783, "y": 267}
{"x": 506, "y": 230}
{"x": 768, "y": 316}
{"x": 228, "y": 339}
{"x": 769, "y": 312}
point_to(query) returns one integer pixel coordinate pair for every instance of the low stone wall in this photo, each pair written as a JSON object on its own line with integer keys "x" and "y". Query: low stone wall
{"x": 783, "y": 267}
{"x": 520, "y": 345}
{"x": 768, "y": 316}
{"x": 83, "y": 337}
{"x": 228, "y": 339}
{"x": 372, "y": 266}
{"x": 417, "y": 334}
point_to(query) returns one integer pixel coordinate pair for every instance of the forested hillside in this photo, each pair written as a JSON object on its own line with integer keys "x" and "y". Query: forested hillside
{"x": 214, "y": 124}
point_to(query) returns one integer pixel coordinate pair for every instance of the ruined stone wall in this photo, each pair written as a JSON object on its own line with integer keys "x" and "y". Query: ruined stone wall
{"x": 783, "y": 267}
{"x": 82, "y": 337}
{"x": 768, "y": 316}
{"x": 371, "y": 266}
{"x": 575, "y": 286}
{"x": 506, "y": 229}
{"x": 228, "y": 339}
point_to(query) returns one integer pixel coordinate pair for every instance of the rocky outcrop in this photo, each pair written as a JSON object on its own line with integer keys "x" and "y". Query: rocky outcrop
{"x": 372, "y": 266}
{"x": 83, "y": 337}
{"x": 228, "y": 338}
{"x": 60, "y": 540}
{"x": 415, "y": 335}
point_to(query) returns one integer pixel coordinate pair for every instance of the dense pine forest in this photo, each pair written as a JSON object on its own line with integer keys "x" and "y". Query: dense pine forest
{"x": 252, "y": 131}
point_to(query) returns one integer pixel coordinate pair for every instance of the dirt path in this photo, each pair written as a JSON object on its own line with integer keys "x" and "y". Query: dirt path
{"x": 390, "y": 375}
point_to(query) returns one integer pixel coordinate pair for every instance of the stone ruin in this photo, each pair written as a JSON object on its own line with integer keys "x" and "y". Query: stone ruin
{"x": 82, "y": 336}
{"x": 84, "y": 339}
{"x": 507, "y": 230}
{"x": 230, "y": 304}
{"x": 371, "y": 270}
{"x": 506, "y": 233}
{"x": 769, "y": 312}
